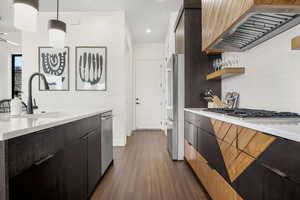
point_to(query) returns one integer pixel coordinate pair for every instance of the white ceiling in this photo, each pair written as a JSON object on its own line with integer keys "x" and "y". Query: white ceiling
{"x": 141, "y": 14}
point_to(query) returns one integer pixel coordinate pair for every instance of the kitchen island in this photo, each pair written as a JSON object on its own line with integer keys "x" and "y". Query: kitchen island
{"x": 245, "y": 159}
{"x": 56, "y": 155}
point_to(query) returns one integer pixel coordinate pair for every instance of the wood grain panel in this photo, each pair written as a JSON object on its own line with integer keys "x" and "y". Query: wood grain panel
{"x": 213, "y": 121}
{"x": 187, "y": 151}
{"x": 190, "y": 155}
{"x": 231, "y": 135}
{"x": 205, "y": 174}
{"x": 222, "y": 189}
{"x": 219, "y": 15}
{"x": 244, "y": 137}
{"x": 258, "y": 144}
{"x": 277, "y": 2}
{"x": 217, "y": 125}
{"x": 239, "y": 165}
{"x": 222, "y": 131}
{"x": 229, "y": 153}
{"x": 200, "y": 158}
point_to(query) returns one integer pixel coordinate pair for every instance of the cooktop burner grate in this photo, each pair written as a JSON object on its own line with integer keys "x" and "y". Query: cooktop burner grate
{"x": 252, "y": 113}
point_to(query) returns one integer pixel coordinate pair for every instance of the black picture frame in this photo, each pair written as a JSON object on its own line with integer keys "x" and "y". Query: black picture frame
{"x": 76, "y": 67}
{"x": 68, "y": 68}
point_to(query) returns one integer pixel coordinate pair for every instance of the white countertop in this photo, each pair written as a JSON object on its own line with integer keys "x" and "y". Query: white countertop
{"x": 14, "y": 126}
{"x": 285, "y": 128}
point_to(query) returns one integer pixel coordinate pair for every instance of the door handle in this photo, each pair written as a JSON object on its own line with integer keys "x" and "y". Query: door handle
{"x": 276, "y": 171}
{"x": 137, "y": 101}
{"x": 44, "y": 160}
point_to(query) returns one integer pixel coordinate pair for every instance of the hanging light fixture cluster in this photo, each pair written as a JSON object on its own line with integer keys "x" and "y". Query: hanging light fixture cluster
{"x": 25, "y": 18}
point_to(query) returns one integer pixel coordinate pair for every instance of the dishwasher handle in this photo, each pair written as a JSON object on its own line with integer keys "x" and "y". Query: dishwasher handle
{"x": 106, "y": 118}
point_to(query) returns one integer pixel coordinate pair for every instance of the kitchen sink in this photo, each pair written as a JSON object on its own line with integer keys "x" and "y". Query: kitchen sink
{"x": 40, "y": 115}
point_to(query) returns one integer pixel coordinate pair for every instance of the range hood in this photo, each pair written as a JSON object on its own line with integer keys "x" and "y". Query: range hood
{"x": 254, "y": 29}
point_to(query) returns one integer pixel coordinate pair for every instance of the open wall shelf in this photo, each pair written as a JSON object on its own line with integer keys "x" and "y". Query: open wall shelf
{"x": 225, "y": 73}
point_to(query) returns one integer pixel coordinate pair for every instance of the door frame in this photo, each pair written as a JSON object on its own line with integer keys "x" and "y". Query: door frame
{"x": 134, "y": 91}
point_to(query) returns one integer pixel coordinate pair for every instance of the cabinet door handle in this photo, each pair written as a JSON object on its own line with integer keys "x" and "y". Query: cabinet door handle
{"x": 44, "y": 160}
{"x": 89, "y": 134}
{"x": 276, "y": 171}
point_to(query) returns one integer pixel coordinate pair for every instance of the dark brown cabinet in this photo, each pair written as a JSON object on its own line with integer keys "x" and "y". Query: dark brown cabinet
{"x": 192, "y": 133}
{"x": 39, "y": 182}
{"x": 61, "y": 176}
{"x": 61, "y": 163}
{"x": 197, "y": 64}
{"x": 93, "y": 159}
{"x": 74, "y": 178}
{"x": 261, "y": 182}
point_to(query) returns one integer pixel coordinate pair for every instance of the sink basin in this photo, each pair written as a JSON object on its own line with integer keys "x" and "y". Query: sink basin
{"x": 40, "y": 115}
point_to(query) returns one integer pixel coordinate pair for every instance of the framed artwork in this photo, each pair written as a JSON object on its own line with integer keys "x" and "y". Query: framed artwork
{"x": 91, "y": 68}
{"x": 54, "y": 64}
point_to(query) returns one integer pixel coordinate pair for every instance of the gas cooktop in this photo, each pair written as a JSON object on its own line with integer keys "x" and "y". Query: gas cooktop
{"x": 252, "y": 113}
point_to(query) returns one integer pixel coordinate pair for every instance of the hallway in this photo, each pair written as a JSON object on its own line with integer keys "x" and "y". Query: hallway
{"x": 143, "y": 171}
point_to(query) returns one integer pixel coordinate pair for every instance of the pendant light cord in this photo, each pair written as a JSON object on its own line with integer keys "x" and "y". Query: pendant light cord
{"x": 57, "y": 9}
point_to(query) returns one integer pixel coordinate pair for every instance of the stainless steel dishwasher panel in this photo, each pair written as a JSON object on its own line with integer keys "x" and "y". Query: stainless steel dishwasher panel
{"x": 106, "y": 141}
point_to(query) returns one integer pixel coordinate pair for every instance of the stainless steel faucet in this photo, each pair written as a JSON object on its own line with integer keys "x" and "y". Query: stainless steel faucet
{"x": 29, "y": 102}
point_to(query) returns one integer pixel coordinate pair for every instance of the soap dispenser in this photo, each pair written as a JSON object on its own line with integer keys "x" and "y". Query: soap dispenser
{"x": 15, "y": 106}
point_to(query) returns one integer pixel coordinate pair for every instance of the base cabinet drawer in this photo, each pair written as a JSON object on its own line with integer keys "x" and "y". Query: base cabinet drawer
{"x": 61, "y": 177}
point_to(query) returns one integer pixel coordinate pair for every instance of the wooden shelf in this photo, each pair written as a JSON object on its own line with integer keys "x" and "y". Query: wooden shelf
{"x": 296, "y": 43}
{"x": 224, "y": 73}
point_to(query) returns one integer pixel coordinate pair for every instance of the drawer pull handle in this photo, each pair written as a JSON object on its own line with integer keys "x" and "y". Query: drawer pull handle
{"x": 44, "y": 160}
{"x": 276, "y": 171}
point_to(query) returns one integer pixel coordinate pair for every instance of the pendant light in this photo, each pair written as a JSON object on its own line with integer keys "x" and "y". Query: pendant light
{"x": 26, "y": 14}
{"x": 57, "y": 31}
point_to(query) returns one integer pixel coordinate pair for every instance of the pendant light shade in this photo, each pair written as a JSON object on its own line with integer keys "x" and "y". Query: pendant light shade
{"x": 26, "y": 14}
{"x": 57, "y": 33}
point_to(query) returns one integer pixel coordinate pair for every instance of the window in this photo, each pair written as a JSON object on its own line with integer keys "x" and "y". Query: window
{"x": 17, "y": 64}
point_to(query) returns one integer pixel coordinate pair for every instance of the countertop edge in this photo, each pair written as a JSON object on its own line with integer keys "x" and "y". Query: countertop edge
{"x": 22, "y": 132}
{"x": 258, "y": 127}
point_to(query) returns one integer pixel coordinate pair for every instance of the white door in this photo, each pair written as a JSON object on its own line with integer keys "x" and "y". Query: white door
{"x": 148, "y": 94}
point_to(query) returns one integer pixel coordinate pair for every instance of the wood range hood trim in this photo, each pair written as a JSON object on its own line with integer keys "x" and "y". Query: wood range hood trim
{"x": 276, "y": 8}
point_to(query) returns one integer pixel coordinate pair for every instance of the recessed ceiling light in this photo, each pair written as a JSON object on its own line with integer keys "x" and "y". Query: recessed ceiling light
{"x": 148, "y": 30}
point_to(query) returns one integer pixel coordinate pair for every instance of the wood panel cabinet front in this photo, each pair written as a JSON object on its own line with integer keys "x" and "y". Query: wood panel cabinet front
{"x": 218, "y": 16}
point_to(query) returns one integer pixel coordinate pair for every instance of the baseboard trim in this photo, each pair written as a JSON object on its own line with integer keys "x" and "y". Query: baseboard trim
{"x": 146, "y": 129}
{"x": 119, "y": 142}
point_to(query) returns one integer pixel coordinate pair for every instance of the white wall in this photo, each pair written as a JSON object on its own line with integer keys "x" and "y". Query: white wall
{"x": 129, "y": 82}
{"x": 272, "y": 75}
{"x": 6, "y": 50}
{"x": 85, "y": 29}
{"x": 170, "y": 38}
{"x": 150, "y": 52}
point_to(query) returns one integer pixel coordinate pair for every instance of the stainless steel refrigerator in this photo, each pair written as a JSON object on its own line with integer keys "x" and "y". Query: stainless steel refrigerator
{"x": 175, "y": 106}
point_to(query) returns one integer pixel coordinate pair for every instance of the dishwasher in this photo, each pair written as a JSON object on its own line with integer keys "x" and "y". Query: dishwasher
{"x": 106, "y": 141}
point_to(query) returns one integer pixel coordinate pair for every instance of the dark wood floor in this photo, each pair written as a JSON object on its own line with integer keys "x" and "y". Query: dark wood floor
{"x": 144, "y": 171}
